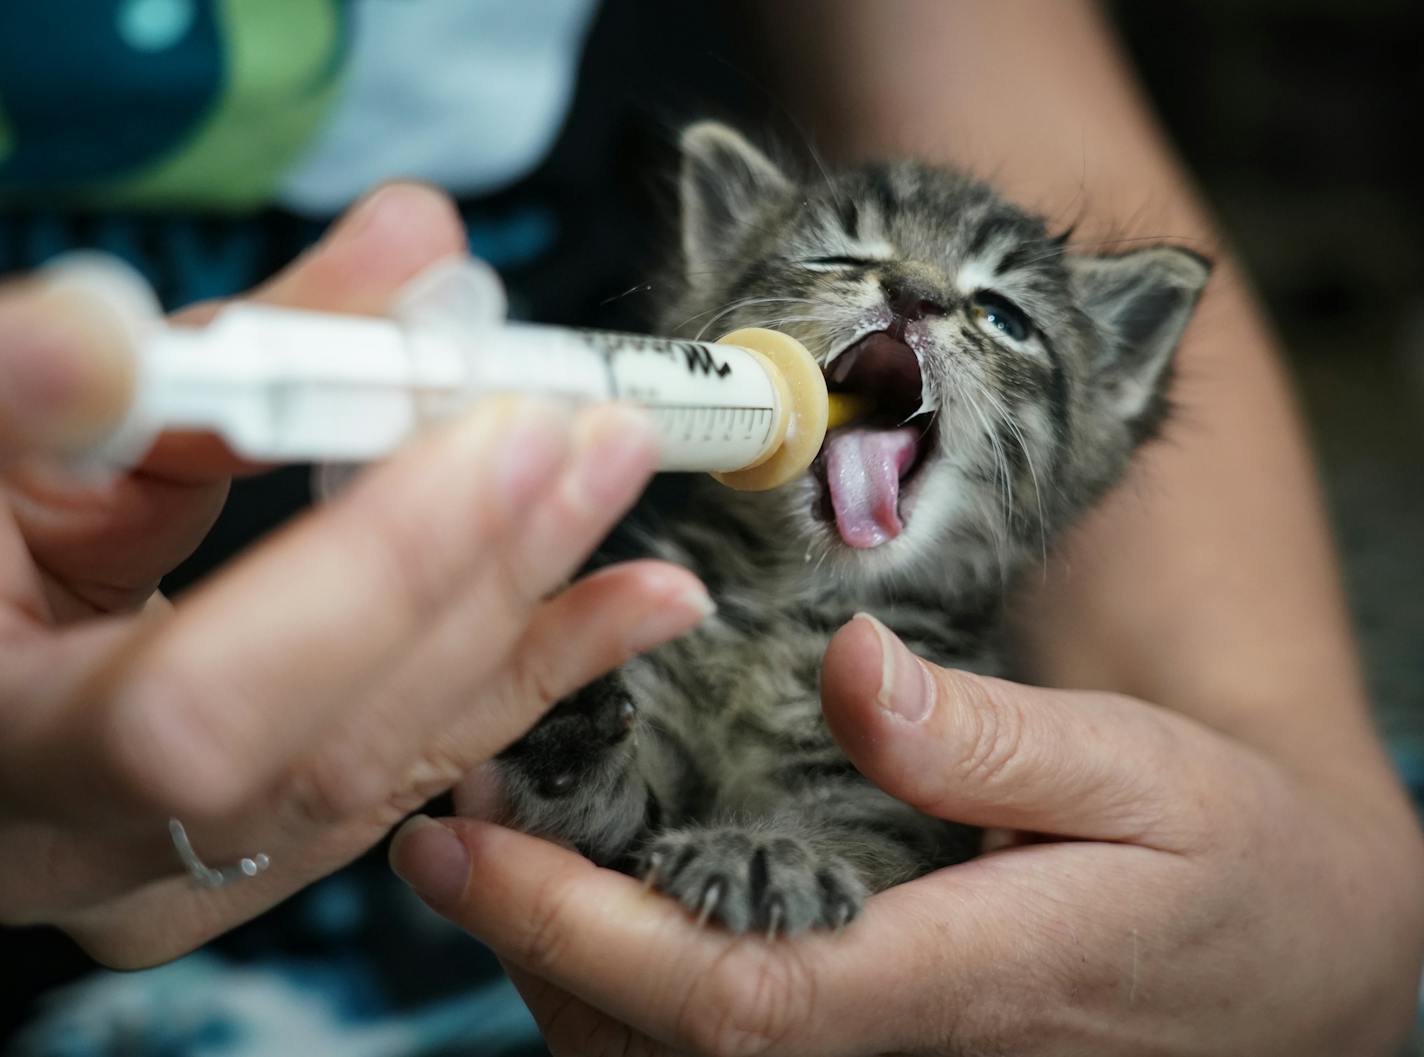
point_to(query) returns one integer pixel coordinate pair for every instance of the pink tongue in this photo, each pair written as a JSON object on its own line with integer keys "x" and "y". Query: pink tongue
{"x": 863, "y": 468}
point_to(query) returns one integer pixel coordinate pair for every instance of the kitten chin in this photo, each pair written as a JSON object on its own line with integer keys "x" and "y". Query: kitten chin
{"x": 1009, "y": 380}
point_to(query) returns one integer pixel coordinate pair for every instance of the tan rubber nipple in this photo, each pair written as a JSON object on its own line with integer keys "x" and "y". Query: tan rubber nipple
{"x": 802, "y": 389}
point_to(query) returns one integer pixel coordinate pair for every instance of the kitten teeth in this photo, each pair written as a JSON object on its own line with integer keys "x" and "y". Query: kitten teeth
{"x": 928, "y": 405}
{"x": 928, "y": 401}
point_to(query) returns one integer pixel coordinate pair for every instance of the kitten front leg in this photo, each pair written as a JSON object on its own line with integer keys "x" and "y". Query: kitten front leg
{"x": 573, "y": 778}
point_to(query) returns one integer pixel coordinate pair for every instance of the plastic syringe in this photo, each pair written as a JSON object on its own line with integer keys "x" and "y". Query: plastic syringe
{"x": 287, "y": 385}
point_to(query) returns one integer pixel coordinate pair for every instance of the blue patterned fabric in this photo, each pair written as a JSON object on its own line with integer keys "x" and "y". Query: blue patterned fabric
{"x": 192, "y": 258}
{"x": 353, "y": 967}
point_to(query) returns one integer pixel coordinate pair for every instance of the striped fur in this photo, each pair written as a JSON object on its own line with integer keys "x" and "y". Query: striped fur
{"x": 706, "y": 765}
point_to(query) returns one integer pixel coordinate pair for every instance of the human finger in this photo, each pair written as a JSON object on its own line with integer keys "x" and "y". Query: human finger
{"x": 583, "y": 631}
{"x": 994, "y": 753}
{"x": 66, "y": 371}
{"x": 212, "y": 701}
{"x": 594, "y": 622}
{"x": 572, "y": 1027}
{"x": 577, "y": 636}
{"x": 497, "y": 649}
{"x": 638, "y": 957}
{"x": 109, "y": 545}
{"x": 381, "y": 243}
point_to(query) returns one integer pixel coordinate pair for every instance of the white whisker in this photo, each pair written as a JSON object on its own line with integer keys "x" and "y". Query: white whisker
{"x": 746, "y": 302}
{"x": 1008, "y": 419}
{"x": 1002, "y": 473}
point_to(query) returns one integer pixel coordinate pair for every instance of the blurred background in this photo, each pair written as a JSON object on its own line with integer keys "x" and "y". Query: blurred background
{"x": 1296, "y": 116}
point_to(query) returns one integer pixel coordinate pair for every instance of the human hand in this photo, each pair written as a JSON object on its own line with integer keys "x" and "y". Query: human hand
{"x": 304, "y": 699}
{"x": 1184, "y": 895}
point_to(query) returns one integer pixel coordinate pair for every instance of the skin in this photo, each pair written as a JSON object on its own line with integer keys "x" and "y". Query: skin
{"x": 310, "y": 695}
{"x": 1201, "y": 848}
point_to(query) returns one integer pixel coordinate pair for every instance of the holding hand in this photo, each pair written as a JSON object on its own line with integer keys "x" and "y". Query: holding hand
{"x": 303, "y": 700}
{"x": 1169, "y": 866}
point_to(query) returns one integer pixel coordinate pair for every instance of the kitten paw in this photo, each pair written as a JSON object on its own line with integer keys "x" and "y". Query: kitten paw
{"x": 578, "y": 740}
{"x": 574, "y": 777}
{"x": 750, "y": 880}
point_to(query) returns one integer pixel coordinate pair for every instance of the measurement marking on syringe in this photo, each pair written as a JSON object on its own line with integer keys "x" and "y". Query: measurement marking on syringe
{"x": 660, "y": 406}
{"x": 612, "y": 376}
{"x": 725, "y": 423}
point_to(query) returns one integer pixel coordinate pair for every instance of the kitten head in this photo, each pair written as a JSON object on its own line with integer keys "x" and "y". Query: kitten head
{"x": 1010, "y": 378}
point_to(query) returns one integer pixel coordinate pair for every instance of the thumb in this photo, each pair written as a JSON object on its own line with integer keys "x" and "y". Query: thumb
{"x": 989, "y": 752}
{"x": 362, "y": 263}
{"x": 65, "y": 370}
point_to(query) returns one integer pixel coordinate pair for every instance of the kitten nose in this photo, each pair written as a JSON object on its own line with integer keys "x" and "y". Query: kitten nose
{"x": 911, "y": 304}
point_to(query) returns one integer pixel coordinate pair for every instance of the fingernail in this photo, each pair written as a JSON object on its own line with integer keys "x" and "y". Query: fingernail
{"x": 906, "y": 689}
{"x": 431, "y": 859}
{"x": 42, "y": 374}
{"x": 678, "y": 616}
{"x": 64, "y": 377}
{"x": 389, "y": 205}
{"x": 359, "y": 217}
{"x": 533, "y": 447}
{"x": 616, "y": 456}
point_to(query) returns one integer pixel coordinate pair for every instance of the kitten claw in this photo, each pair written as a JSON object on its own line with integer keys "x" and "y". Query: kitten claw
{"x": 655, "y": 862}
{"x": 710, "y": 899}
{"x": 774, "y": 921}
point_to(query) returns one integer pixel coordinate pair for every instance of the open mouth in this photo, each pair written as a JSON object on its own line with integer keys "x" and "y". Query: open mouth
{"x": 864, "y": 468}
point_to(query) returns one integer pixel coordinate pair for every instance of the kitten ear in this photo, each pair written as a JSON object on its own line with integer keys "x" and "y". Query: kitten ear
{"x": 725, "y": 182}
{"x": 1141, "y": 302}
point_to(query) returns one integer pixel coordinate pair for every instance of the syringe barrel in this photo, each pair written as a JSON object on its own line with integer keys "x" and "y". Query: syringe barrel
{"x": 286, "y": 385}
{"x": 717, "y": 407}
{"x": 254, "y": 377}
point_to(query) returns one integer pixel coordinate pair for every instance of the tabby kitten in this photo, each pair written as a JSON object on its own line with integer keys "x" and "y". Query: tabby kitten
{"x": 1012, "y": 378}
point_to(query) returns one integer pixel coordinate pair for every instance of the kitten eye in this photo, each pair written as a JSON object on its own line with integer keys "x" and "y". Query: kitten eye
{"x": 828, "y": 263}
{"x": 1002, "y": 313}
